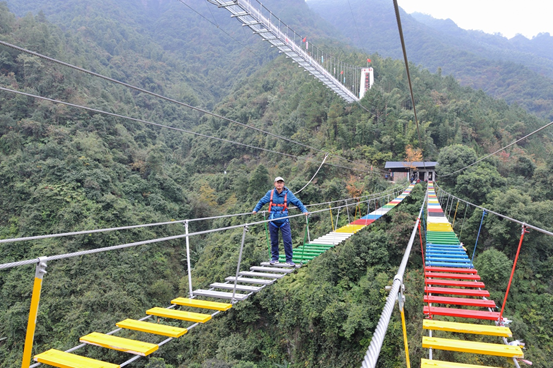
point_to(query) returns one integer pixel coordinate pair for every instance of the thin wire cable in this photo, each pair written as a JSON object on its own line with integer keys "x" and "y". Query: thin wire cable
{"x": 499, "y": 150}
{"x": 400, "y": 29}
{"x": 500, "y": 215}
{"x": 21, "y": 49}
{"x": 156, "y": 240}
{"x": 85, "y": 232}
{"x": 316, "y": 172}
{"x": 157, "y": 95}
{"x": 162, "y": 125}
{"x": 142, "y": 121}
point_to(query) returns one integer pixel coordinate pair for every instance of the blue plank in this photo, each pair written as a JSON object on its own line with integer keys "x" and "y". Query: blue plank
{"x": 448, "y": 264}
{"x": 453, "y": 260}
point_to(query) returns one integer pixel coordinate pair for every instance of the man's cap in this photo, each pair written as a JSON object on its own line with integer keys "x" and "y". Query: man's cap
{"x": 278, "y": 178}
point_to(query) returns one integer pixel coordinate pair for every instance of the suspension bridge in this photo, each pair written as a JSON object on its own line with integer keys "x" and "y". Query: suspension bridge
{"x": 347, "y": 81}
{"x": 449, "y": 275}
{"x": 193, "y": 309}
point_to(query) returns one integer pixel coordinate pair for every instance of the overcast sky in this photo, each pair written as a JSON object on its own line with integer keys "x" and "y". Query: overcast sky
{"x": 508, "y": 17}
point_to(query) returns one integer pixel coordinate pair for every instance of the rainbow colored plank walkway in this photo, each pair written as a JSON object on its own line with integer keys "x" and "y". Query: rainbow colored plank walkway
{"x": 303, "y": 254}
{"x": 193, "y": 311}
{"x": 455, "y": 298}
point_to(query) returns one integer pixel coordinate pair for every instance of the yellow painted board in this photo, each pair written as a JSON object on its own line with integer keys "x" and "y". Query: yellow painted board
{"x": 196, "y": 303}
{"x": 472, "y": 347}
{"x": 177, "y": 314}
{"x": 425, "y": 363}
{"x": 153, "y": 328}
{"x": 350, "y": 229}
{"x": 62, "y": 359}
{"x": 471, "y": 328}
{"x": 119, "y": 343}
{"x": 439, "y": 227}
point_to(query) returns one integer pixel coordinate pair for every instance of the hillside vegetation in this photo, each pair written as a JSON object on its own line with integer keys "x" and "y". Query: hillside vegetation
{"x": 63, "y": 169}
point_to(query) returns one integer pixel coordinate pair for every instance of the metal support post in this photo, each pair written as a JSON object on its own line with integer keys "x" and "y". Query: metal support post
{"x": 524, "y": 231}
{"x": 267, "y": 236}
{"x": 331, "y": 220}
{"x": 33, "y": 312}
{"x": 455, "y": 216}
{"x": 347, "y": 209}
{"x": 190, "y": 293}
{"x": 477, "y": 236}
{"x": 244, "y": 231}
{"x": 337, "y": 219}
{"x": 401, "y": 304}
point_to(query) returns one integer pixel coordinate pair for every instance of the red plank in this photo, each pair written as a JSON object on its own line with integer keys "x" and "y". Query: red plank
{"x": 471, "y": 284}
{"x": 450, "y": 269}
{"x": 362, "y": 222}
{"x": 435, "y": 210}
{"x": 451, "y": 276}
{"x": 463, "y": 313}
{"x": 451, "y": 291}
{"x": 459, "y": 301}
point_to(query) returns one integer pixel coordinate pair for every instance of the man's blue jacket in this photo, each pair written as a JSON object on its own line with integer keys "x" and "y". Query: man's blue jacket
{"x": 276, "y": 211}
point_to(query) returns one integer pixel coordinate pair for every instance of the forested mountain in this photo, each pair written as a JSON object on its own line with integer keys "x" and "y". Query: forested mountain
{"x": 519, "y": 71}
{"x": 211, "y": 49}
{"x": 64, "y": 169}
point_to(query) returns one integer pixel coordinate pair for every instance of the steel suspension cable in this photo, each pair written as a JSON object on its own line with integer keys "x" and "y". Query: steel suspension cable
{"x": 404, "y": 50}
{"x": 127, "y": 85}
{"x": 142, "y": 121}
{"x": 373, "y": 351}
{"x": 502, "y": 216}
{"x": 85, "y": 232}
{"x": 156, "y": 240}
{"x": 499, "y": 150}
{"x": 316, "y": 172}
{"x": 162, "y": 125}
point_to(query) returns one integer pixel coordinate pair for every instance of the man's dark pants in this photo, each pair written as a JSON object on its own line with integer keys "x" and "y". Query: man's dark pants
{"x": 286, "y": 238}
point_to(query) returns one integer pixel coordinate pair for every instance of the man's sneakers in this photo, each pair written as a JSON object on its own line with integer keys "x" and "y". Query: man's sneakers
{"x": 272, "y": 262}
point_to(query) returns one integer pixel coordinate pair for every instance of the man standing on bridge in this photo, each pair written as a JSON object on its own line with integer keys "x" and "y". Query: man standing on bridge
{"x": 278, "y": 199}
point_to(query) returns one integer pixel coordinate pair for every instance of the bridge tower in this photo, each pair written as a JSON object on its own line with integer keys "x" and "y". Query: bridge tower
{"x": 367, "y": 80}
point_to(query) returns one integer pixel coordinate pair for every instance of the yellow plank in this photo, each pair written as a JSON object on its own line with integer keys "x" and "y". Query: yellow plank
{"x": 350, "y": 229}
{"x": 469, "y": 328}
{"x": 196, "y": 303}
{"x": 119, "y": 343}
{"x": 439, "y": 227}
{"x": 472, "y": 347}
{"x": 153, "y": 328}
{"x": 425, "y": 363}
{"x": 62, "y": 359}
{"x": 177, "y": 314}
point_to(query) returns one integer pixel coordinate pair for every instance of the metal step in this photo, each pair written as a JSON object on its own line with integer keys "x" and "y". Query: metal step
{"x": 246, "y": 280}
{"x": 219, "y": 294}
{"x": 220, "y": 285}
{"x": 261, "y": 274}
{"x": 271, "y": 269}
{"x": 276, "y": 265}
